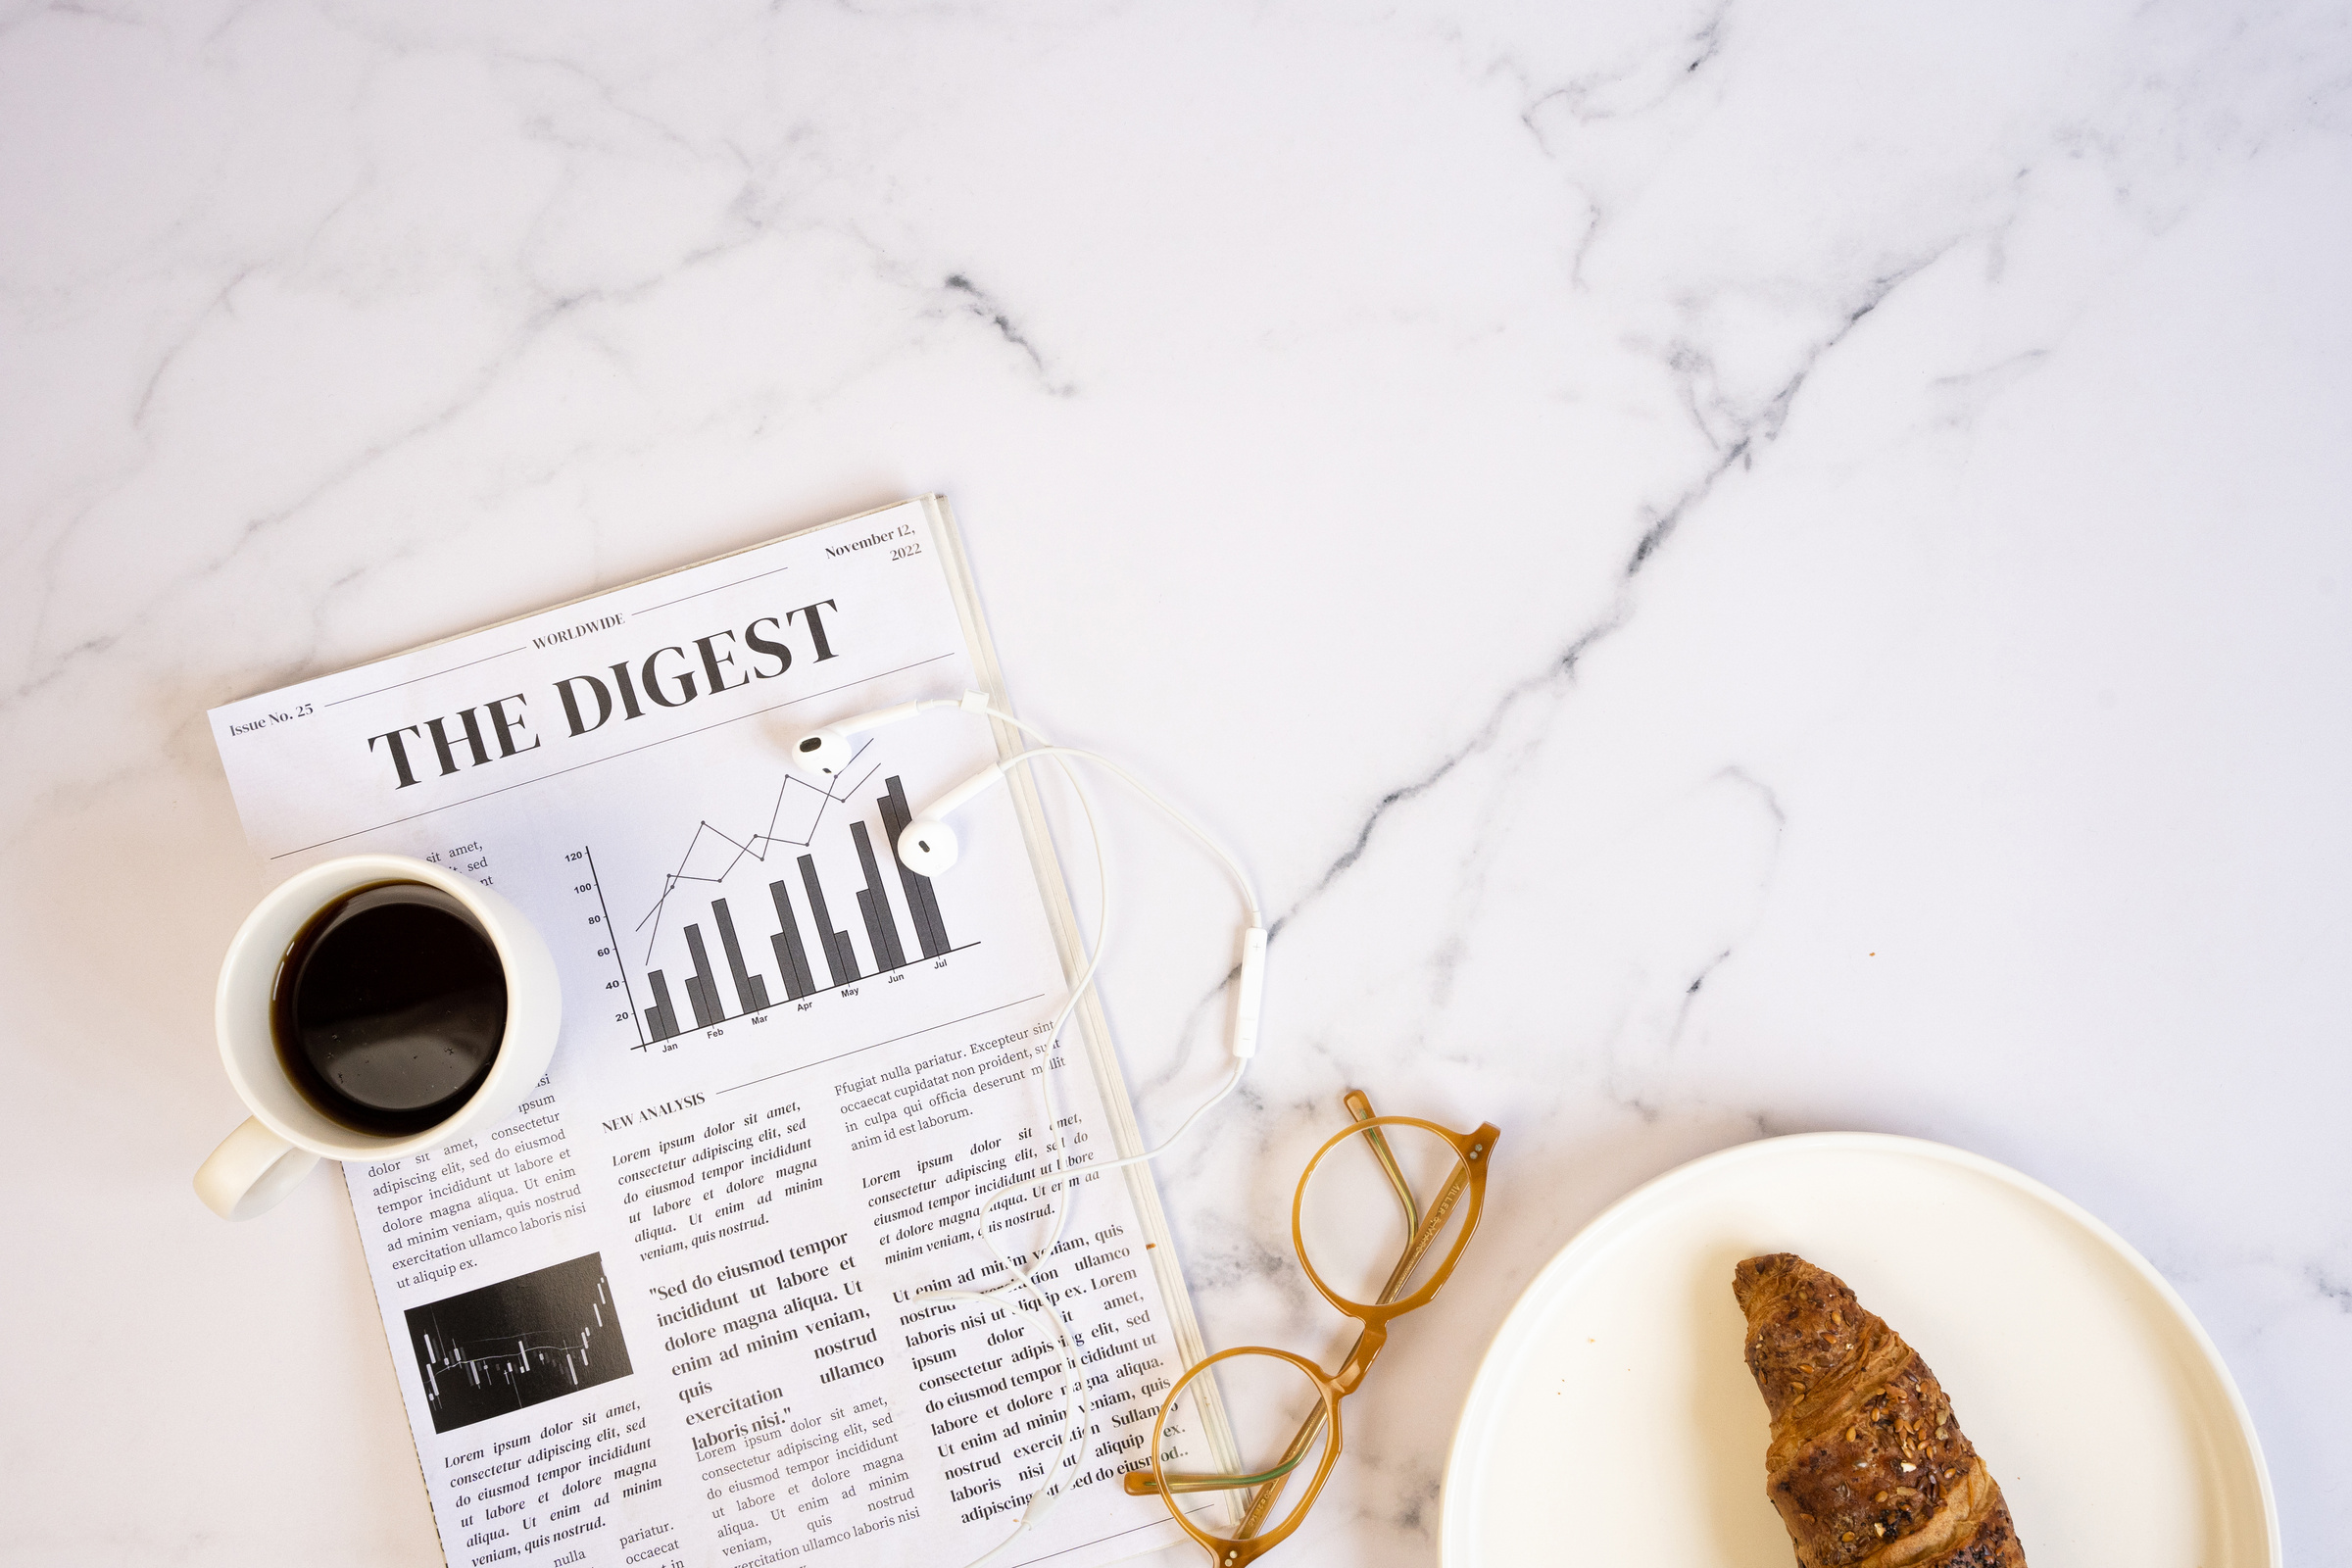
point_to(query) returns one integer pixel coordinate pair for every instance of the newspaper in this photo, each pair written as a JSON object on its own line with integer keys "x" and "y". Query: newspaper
{"x": 666, "y": 1310}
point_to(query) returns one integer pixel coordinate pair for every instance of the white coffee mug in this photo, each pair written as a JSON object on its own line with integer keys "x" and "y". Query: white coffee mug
{"x": 259, "y": 1163}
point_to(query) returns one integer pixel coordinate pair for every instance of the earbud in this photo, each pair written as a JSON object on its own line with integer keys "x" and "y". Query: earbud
{"x": 821, "y": 753}
{"x": 929, "y": 847}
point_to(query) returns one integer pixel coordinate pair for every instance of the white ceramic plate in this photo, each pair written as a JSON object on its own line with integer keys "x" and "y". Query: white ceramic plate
{"x": 1613, "y": 1420}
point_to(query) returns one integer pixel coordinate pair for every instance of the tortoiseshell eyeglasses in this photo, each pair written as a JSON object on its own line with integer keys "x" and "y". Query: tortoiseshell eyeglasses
{"x": 1284, "y": 1410}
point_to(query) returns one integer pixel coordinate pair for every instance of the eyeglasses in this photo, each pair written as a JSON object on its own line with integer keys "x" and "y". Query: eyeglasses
{"x": 1370, "y": 1268}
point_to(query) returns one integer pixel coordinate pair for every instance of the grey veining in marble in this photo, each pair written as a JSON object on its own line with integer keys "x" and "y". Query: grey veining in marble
{"x": 1731, "y": 569}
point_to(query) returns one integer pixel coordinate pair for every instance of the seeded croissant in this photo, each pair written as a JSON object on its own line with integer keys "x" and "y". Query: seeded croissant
{"x": 1867, "y": 1464}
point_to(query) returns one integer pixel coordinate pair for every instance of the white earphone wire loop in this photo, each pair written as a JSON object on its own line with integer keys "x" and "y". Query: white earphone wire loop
{"x": 1074, "y": 1423}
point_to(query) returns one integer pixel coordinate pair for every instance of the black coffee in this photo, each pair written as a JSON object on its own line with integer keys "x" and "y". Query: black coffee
{"x": 389, "y": 1008}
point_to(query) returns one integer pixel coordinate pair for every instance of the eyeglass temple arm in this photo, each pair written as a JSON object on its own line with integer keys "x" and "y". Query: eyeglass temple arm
{"x": 1425, "y": 1234}
{"x": 1359, "y": 1107}
{"x": 1198, "y": 1483}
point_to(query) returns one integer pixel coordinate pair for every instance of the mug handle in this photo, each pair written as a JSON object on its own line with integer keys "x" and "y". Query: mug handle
{"x": 250, "y": 1171}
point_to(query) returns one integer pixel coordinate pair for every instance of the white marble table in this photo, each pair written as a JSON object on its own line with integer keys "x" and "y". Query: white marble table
{"x": 1734, "y": 569}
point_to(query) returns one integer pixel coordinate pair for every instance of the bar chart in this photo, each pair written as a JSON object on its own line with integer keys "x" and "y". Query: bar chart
{"x": 744, "y": 954}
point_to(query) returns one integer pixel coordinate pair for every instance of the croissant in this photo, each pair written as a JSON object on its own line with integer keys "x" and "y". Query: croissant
{"x": 1867, "y": 1463}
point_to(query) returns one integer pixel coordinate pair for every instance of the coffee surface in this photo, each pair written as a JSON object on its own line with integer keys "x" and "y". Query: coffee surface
{"x": 389, "y": 1009}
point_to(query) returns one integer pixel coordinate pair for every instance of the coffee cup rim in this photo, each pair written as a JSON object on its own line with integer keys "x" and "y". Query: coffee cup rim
{"x": 254, "y": 1070}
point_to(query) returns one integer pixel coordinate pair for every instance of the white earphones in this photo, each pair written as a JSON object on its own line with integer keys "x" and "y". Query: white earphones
{"x": 930, "y": 847}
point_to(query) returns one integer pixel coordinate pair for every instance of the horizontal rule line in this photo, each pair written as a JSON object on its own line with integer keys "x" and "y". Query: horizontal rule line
{"x": 894, "y": 1040}
{"x": 1113, "y": 1535}
{"x": 435, "y": 675}
{"x": 700, "y": 591}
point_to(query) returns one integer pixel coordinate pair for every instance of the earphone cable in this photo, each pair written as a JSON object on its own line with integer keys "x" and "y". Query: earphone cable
{"x": 1072, "y": 1425}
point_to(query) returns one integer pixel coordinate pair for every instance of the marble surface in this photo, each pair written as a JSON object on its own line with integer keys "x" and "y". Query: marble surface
{"x": 1732, "y": 570}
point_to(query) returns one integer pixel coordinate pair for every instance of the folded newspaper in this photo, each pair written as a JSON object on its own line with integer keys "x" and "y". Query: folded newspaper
{"x": 667, "y": 1309}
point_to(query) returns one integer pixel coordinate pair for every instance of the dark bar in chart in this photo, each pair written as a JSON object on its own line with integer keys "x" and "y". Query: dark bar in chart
{"x": 688, "y": 993}
{"x": 881, "y": 926}
{"x": 662, "y": 1018}
{"x": 791, "y": 957}
{"x": 839, "y": 959}
{"x": 750, "y": 989}
{"x": 921, "y": 903}
{"x": 701, "y": 994}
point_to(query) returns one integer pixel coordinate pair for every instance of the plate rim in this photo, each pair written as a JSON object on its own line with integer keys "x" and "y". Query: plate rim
{"x": 1516, "y": 1328}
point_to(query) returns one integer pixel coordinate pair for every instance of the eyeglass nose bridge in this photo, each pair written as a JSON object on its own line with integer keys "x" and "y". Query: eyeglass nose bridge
{"x": 1350, "y": 1375}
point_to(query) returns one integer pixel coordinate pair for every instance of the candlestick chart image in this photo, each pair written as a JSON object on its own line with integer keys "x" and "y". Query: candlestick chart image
{"x": 519, "y": 1341}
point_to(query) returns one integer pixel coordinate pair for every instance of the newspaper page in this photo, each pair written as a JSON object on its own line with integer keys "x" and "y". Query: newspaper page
{"x": 664, "y": 1311}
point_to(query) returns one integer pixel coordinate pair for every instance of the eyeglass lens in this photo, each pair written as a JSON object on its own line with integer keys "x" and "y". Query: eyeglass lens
{"x": 1381, "y": 1212}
